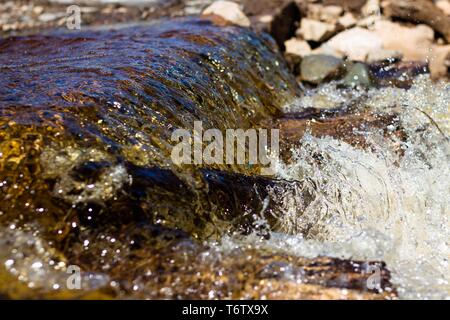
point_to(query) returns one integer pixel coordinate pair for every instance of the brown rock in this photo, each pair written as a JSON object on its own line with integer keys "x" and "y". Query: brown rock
{"x": 324, "y": 13}
{"x": 280, "y": 18}
{"x": 439, "y": 63}
{"x": 348, "y": 5}
{"x": 420, "y": 11}
{"x": 284, "y": 23}
{"x": 342, "y": 127}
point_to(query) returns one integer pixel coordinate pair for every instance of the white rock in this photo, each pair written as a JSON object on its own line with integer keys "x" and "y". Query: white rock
{"x": 347, "y": 20}
{"x": 383, "y": 54}
{"x": 315, "y": 30}
{"x": 372, "y": 7}
{"x": 267, "y": 18}
{"x": 355, "y": 43}
{"x": 297, "y": 47}
{"x": 228, "y": 10}
{"x": 326, "y": 49}
{"x": 369, "y": 21}
{"x": 444, "y": 5}
{"x": 414, "y": 42}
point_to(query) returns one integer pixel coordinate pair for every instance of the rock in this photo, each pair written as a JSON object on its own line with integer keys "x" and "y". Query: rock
{"x": 47, "y": 17}
{"x": 372, "y": 7}
{"x": 297, "y": 47}
{"x": 38, "y": 10}
{"x": 369, "y": 21}
{"x": 444, "y": 5}
{"x": 342, "y": 127}
{"x": 324, "y": 13}
{"x": 420, "y": 11}
{"x": 65, "y": 94}
{"x": 439, "y": 63}
{"x": 293, "y": 61}
{"x": 355, "y": 43}
{"x": 358, "y": 75}
{"x": 228, "y": 10}
{"x": 347, "y": 20}
{"x": 267, "y": 18}
{"x": 284, "y": 23}
{"x": 327, "y": 50}
{"x": 399, "y": 74}
{"x": 316, "y": 30}
{"x": 348, "y": 5}
{"x": 318, "y": 68}
{"x": 413, "y": 42}
{"x": 384, "y": 55}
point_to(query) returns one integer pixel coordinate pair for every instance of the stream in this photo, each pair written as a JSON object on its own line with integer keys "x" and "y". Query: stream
{"x": 87, "y": 182}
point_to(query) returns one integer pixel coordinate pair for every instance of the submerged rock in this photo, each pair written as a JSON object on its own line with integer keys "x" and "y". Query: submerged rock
{"x": 87, "y": 180}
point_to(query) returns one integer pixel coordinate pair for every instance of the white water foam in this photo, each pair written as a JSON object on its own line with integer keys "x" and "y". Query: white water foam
{"x": 377, "y": 204}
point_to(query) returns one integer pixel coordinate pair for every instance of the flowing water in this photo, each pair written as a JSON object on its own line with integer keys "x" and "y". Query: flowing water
{"x": 86, "y": 177}
{"x": 378, "y": 203}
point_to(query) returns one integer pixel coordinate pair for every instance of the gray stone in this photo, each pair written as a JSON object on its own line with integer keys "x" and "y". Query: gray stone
{"x": 319, "y": 68}
{"x": 358, "y": 75}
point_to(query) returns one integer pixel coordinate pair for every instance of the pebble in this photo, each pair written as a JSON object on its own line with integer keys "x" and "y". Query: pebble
{"x": 230, "y": 11}
{"x": 297, "y": 47}
{"x": 318, "y": 68}
{"x": 358, "y": 75}
{"x": 315, "y": 30}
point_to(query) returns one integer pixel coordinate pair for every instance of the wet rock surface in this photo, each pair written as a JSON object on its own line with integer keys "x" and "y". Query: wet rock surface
{"x": 84, "y": 140}
{"x": 358, "y": 75}
{"x": 70, "y": 158}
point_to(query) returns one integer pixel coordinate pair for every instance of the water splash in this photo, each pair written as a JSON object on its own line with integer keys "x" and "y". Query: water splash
{"x": 379, "y": 203}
